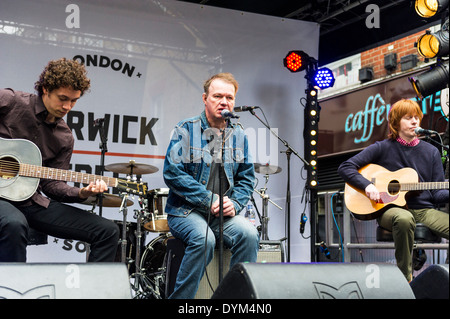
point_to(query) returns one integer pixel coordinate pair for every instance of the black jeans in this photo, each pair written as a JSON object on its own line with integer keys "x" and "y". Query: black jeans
{"x": 58, "y": 220}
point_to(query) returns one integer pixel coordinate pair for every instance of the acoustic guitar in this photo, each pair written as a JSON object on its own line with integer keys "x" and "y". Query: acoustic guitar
{"x": 21, "y": 171}
{"x": 392, "y": 186}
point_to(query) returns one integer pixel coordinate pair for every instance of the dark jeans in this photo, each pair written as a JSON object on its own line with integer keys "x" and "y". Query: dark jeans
{"x": 58, "y": 220}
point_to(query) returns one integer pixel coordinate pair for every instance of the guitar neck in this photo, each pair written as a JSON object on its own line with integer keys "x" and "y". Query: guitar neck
{"x": 63, "y": 175}
{"x": 423, "y": 186}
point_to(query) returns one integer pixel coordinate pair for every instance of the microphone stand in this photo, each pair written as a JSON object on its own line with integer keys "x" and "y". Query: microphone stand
{"x": 103, "y": 148}
{"x": 221, "y": 179}
{"x": 429, "y": 139}
{"x": 288, "y": 152}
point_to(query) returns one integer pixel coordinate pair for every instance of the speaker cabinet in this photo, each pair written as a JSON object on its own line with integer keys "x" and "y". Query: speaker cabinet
{"x": 64, "y": 281}
{"x": 314, "y": 281}
{"x": 432, "y": 283}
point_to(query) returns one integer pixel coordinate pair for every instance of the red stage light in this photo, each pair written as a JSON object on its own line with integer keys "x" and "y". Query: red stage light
{"x": 296, "y": 61}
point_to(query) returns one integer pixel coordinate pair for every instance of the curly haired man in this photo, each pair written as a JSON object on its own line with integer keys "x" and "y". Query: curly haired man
{"x": 39, "y": 119}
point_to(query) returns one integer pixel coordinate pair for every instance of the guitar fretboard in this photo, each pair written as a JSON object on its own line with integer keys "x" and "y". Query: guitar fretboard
{"x": 63, "y": 175}
{"x": 423, "y": 186}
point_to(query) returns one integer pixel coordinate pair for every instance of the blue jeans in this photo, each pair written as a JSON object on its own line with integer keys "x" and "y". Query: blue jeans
{"x": 238, "y": 234}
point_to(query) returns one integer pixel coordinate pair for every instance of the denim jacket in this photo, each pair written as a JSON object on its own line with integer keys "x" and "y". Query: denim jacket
{"x": 188, "y": 162}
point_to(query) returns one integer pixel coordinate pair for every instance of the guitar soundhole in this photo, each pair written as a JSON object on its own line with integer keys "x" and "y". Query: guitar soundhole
{"x": 394, "y": 187}
{"x": 9, "y": 167}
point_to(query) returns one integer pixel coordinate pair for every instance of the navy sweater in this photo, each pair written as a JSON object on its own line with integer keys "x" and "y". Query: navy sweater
{"x": 424, "y": 158}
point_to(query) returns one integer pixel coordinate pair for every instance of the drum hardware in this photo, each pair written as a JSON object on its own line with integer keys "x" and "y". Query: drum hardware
{"x": 150, "y": 266}
{"x": 157, "y": 201}
{"x": 131, "y": 168}
{"x": 109, "y": 200}
{"x": 124, "y": 210}
{"x": 139, "y": 215}
{"x": 153, "y": 269}
{"x": 266, "y": 199}
{"x": 267, "y": 169}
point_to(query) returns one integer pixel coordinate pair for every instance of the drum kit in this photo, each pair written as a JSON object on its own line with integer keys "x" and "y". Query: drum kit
{"x": 150, "y": 269}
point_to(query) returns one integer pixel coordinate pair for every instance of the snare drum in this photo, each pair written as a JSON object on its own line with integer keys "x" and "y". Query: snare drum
{"x": 157, "y": 199}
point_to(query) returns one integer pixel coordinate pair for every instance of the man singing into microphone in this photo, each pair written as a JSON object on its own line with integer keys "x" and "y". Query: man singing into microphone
{"x": 192, "y": 172}
{"x": 402, "y": 149}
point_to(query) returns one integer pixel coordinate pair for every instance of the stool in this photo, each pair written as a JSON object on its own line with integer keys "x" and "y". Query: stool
{"x": 36, "y": 237}
{"x": 422, "y": 234}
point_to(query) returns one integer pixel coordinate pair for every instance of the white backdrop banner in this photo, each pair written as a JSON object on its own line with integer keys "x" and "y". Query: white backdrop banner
{"x": 147, "y": 61}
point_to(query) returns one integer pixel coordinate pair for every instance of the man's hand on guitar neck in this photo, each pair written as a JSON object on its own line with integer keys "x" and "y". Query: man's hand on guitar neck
{"x": 93, "y": 189}
{"x": 373, "y": 193}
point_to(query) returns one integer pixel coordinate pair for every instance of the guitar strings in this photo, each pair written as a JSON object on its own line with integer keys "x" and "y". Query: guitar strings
{"x": 9, "y": 168}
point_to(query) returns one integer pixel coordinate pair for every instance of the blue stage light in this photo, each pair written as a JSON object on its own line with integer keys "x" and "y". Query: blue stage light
{"x": 324, "y": 78}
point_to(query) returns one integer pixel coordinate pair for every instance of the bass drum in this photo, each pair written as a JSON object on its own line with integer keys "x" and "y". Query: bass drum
{"x": 154, "y": 268}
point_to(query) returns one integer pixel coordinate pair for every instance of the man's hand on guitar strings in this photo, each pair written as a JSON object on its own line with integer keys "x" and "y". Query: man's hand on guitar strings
{"x": 94, "y": 188}
{"x": 373, "y": 193}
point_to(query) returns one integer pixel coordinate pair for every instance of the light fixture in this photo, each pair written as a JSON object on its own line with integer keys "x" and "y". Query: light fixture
{"x": 296, "y": 61}
{"x": 431, "y": 81}
{"x": 431, "y": 45}
{"x": 311, "y": 135}
{"x": 390, "y": 61}
{"x": 323, "y": 78}
{"x": 428, "y": 8}
{"x": 365, "y": 74}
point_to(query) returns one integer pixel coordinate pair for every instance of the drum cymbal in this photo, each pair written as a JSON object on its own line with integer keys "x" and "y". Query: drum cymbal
{"x": 267, "y": 169}
{"x": 109, "y": 200}
{"x": 131, "y": 168}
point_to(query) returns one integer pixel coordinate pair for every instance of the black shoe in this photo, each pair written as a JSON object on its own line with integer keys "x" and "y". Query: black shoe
{"x": 419, "y": 258}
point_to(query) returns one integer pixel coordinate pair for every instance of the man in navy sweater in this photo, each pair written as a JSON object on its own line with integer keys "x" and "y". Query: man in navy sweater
{"x": 402, "y": 149}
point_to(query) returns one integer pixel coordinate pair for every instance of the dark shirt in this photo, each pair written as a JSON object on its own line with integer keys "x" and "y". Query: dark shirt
{"x": 23, "y": 115}
{"x": 424, "y": 158}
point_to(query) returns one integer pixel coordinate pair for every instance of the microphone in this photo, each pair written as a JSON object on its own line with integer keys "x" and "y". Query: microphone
{"x": 420, "y": 130}
{"x": 229, "y": 115}
{"x": 245, "y": 108}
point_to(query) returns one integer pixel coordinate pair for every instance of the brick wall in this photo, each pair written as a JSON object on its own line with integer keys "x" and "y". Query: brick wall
{"x": 375, "y": 57}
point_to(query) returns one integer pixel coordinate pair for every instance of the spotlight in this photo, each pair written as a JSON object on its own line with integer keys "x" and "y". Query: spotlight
{"x": 296, "y": 61}
{"x": 431, "y": 81}
{"x": 311, "y": 133}
{"x": 428, "y": 8}
{"x": 431, "y": 45}
{"x": 323, "y": 78}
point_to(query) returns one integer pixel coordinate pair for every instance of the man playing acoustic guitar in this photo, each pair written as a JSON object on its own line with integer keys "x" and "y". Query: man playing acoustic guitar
{"x": 38, "y": 118}
{"x": 402, "y": 149}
